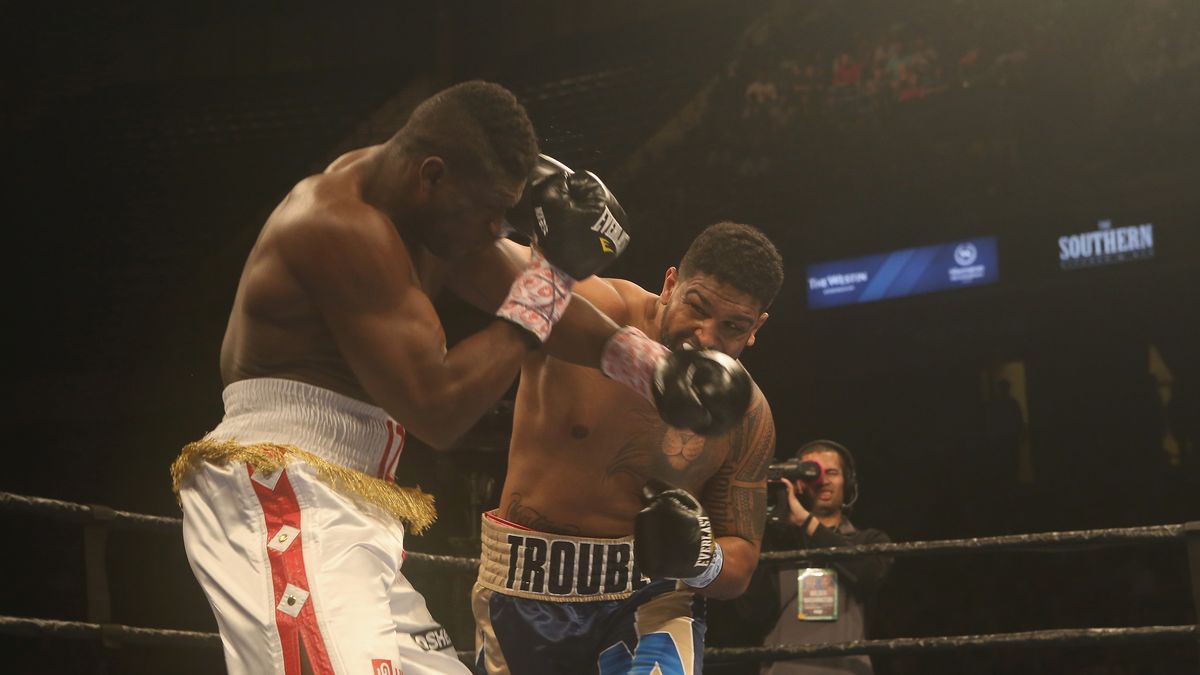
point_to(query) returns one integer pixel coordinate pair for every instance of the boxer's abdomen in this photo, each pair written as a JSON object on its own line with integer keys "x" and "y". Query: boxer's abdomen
{"x": 582, "y": 448}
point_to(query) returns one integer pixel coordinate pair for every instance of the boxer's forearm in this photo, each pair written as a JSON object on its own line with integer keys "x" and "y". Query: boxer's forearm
{"x": 439, "y": 397}
{"x": 579, "y": 337}
{"x": 740, "y": 560}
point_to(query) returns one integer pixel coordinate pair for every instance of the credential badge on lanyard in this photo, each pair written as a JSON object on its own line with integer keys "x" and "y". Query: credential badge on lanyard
{"x": 817, "y": 597}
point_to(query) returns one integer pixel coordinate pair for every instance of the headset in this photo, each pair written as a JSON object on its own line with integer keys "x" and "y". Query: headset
{"x": 850, "y": 482}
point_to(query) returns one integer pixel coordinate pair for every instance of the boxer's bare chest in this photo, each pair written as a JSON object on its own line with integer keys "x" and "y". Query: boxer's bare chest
{"x": 582, "y": 448}
{"x": 621, "y": 438}
{"x": 654, "y": 450}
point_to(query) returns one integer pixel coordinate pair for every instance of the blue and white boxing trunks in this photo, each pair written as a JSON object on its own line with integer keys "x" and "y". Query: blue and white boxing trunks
{"x": 553, "y": 603}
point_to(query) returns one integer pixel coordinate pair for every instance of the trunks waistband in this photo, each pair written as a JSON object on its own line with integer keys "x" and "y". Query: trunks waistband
{"x": 337, "y": 428}
{"x": 526, "y": 563}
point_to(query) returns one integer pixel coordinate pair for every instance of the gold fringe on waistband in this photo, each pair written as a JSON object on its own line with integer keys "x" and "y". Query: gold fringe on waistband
{"x": 409, "y": 505}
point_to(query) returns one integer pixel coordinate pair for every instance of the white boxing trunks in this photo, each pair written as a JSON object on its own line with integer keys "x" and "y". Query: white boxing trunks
{"x": 293, "y": 553}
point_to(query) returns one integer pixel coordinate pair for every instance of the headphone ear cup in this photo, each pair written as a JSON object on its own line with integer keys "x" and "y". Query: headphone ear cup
{"x": 850, "y": 492}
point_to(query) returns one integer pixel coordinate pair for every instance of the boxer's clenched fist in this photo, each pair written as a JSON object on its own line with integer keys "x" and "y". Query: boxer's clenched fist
{"x": 572, "y": 218}
{"x": 673, "y": 537}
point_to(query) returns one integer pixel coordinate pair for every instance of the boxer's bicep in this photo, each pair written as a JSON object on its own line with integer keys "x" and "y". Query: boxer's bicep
{"x": 363, "y": 286}
{"x": 736, "y": 496}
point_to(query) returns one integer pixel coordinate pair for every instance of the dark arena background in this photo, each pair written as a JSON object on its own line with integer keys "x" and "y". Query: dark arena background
{"x": 1046, "y": 152}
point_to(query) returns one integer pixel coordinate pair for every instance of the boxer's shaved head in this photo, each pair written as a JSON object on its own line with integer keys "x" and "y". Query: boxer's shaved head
{"x": 738, "y": 255}
{"x": 476, "y": 127}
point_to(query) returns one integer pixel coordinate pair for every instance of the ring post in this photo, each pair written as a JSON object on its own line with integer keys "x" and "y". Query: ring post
{"x": 95, "y": 547}
{"x": 1191, "y": 534}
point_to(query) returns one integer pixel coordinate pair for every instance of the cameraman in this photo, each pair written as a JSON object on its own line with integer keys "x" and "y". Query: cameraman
{"x": 834, "y": 596}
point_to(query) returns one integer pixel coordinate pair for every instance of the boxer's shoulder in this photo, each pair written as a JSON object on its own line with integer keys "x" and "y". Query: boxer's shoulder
{"x": 622, "y": 301}
{"x": 336, "y": 246}
{"x": 327, "y": 211}
{"x": 347, "y": 159}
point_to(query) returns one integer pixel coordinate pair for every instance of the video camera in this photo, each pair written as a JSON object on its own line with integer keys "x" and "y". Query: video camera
{"x": 795, "y": 469}
{"x": 806, "y": 471}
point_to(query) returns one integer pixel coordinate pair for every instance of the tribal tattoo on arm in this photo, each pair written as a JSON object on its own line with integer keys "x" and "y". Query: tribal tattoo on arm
{"x": 736, "y": 496}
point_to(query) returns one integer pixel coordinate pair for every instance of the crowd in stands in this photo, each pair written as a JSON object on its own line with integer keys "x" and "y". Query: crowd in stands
{"x": 845, "y": 59}
{"x": 966, "y": 102}
{"x": 867, "y": 77}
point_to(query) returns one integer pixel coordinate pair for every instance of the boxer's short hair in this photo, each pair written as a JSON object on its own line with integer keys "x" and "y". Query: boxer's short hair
{"x": 738, "y": 255}
{"x": 476, "y": 127}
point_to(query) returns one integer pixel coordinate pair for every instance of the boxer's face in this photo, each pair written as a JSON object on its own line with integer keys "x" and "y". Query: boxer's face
{"x": 466, "y": 214}
{"x": 828, "y": 494}
{"x": 704, "y": 313}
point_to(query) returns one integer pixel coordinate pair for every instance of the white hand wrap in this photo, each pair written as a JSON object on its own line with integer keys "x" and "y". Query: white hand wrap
{"x": 538, "y": 297}
{"x": 631, "y": 358}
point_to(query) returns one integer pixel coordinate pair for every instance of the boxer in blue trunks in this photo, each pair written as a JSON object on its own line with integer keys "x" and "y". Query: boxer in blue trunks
{"x": 613, "y": 526}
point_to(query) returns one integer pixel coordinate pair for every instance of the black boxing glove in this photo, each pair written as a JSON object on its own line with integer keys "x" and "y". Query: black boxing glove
{"x": 673, "y": 538}
{"x": 703, "y": 390}
{"x": 539, "y": 296}
{"x": 572, "y": 218}
{"x": 521, "y": 218}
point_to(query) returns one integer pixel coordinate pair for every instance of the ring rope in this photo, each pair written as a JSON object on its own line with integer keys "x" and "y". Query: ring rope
{"x": 1012, "y": 542}
{"x": 116, "y": 633}
{"x": 82, "y": 513}
{"x": 132, "y": 635}
{"x": 1035, "y": 638}
{"x": 128, "y": 520}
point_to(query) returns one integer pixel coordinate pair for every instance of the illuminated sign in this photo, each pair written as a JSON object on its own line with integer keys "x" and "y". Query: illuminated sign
{"x": 911, "y": 271}
{"x": 1106, "y": 245}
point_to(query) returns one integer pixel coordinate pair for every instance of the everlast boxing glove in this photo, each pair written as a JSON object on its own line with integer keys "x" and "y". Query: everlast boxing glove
{"x": 572, "y": 218}
{"x": 673, "y": 539}
{"x": 522, "y": 217}
{"x": 577, "y": 227}
{"x": 702, "y": 390}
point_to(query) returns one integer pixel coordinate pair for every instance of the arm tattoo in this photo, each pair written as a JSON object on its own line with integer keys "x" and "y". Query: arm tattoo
{"x": 751, "y": 509}
{"x": 735, "y": 497}
{"x": 757, "y": 437}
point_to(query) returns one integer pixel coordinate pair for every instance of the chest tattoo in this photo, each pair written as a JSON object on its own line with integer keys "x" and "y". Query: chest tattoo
{"x": 679, "y": 457}
{"x": 681, "y": 448}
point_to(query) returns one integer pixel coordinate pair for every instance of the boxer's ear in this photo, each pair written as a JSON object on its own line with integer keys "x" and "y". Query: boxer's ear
{"x": 669, "y": 282}
{"x": 762, "y": 318}
{"x": 431, "y": 172}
